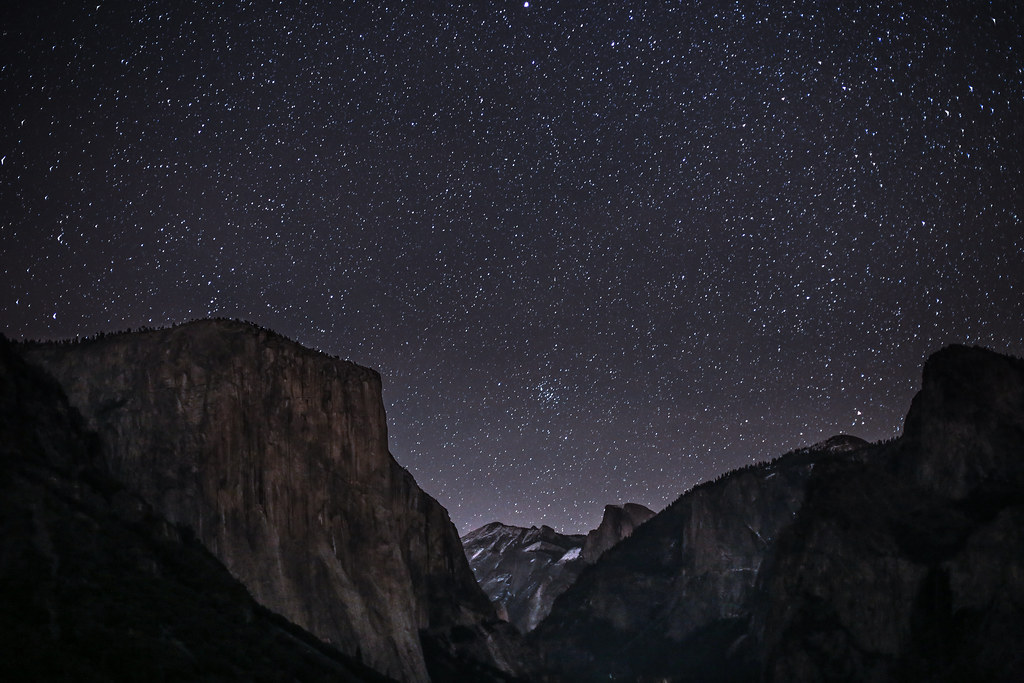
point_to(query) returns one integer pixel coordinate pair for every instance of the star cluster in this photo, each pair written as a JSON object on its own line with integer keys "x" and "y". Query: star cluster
{"x": 599, "y": 253}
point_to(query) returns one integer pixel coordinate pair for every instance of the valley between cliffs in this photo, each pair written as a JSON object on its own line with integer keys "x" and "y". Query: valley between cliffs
{"x": 845, "y": 561}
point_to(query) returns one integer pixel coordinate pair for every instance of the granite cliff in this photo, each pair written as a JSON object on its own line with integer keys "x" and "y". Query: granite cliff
{"x": 909, "y": 566}
{"x": 96, "y": 586}
{"x": 276, "y": 456}
{"x": 618, "y": 522}
{"x": 898, "y": 561}
{"x": 652, "y": 603}
{"x": 521, "y": 569}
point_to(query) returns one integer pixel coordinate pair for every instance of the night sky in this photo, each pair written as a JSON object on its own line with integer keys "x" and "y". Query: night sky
{"x": 598, "y": 253}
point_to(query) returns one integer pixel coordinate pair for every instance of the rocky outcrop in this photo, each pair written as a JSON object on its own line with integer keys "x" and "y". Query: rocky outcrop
{"x": 619, "y": 522}
{"x": 652, "y": 604}
{"x": 96, "y": 586}
{"x": 276, "y": 456}
{"x": 522, "y": 570}
{"x": 964, "y": 426}
{"x": 910, "y": 565}
{"x": 899, "y": 561}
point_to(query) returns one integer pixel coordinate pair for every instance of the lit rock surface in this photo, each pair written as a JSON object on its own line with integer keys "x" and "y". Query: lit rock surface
{"x": 523, "y": 570}
{"x": 277, "y": 457}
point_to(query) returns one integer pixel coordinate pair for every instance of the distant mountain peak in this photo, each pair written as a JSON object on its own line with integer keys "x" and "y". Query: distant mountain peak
{"x": 618, "y": 523}
{"x": 523, "y": 569}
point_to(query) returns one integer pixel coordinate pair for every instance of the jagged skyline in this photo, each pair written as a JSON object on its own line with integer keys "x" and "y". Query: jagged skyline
{"x": 597, "y": 255}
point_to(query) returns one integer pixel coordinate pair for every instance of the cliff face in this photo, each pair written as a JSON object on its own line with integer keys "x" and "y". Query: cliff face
{"x": 901, "y": 561}
{"x": 277, "y": 457}
{"x": 618, "y": 522}
{"x": 522, "y": 570}
{"x": 910, "y": 565}
{"x": 95, "y": 586}
{"x": 669, "y": 600}
{"x": 964, "y": 423}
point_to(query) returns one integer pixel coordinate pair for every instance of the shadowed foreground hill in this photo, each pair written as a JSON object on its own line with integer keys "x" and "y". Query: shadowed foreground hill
{"x": 901, "y": 561}
{"x": 95, "y": 586}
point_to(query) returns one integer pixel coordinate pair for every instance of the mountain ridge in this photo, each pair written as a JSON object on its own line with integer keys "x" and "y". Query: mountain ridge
{"x": 524, "y": 569}
{"x": 895, "y": 561}
{"x": 680, "y": 553}
{"x": 900, "y": 560}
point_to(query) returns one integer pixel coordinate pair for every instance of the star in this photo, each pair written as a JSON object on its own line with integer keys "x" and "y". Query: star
{"x": 586, "y": 275}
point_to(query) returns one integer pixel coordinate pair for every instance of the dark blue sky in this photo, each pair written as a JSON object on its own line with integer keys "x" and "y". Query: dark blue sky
{"x": 598, "y": 254}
